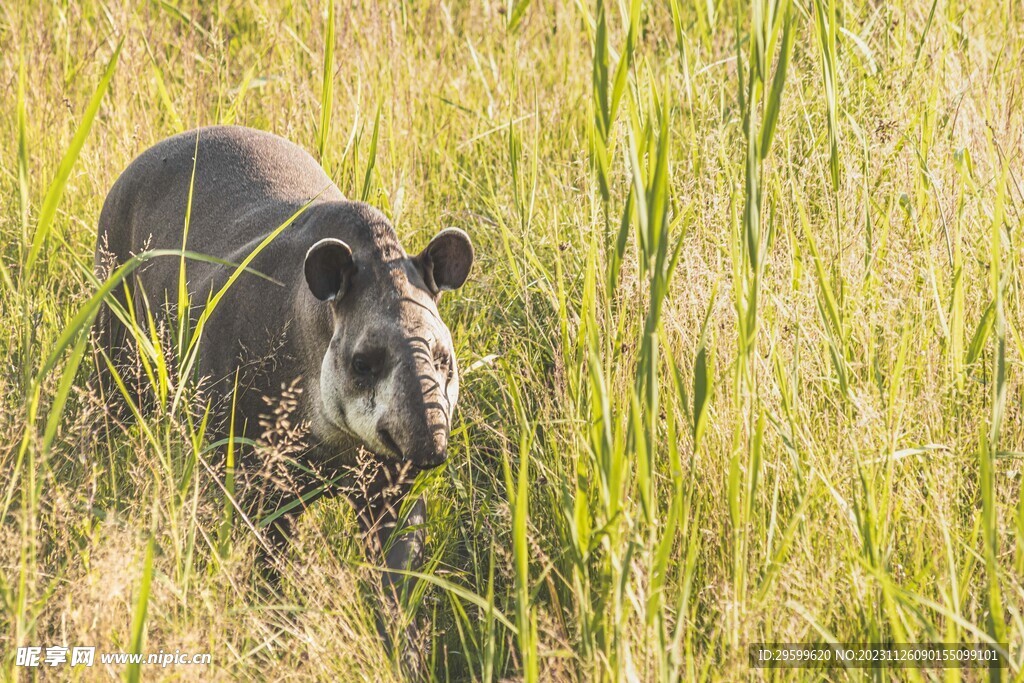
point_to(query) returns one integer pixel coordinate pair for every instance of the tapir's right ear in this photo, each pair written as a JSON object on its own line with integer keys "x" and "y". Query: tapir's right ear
{"x": 328, "y": 268}
{"x": 446, "y": 261}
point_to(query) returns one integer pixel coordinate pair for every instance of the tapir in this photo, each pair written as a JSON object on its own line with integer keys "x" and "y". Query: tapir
{"x": 332, "y": 308}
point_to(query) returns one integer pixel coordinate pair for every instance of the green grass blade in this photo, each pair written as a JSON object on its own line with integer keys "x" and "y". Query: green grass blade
{"x": 371, "y": 161}
{"x": 774, "y": 101}
{"x": 48, "y": 210}
{"x": 23, "y": 183}
{"x": 67, "y": 379}
{"x": 327, "y": 87}
{"x": 516, "y": 13}
{"x": 133, "y": 674}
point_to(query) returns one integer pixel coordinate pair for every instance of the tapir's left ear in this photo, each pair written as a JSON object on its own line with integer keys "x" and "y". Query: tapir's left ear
{"x": 445, "y": 262}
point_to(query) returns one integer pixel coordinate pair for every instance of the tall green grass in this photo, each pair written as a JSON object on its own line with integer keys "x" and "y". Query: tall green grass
{"x": 740, "y": 356}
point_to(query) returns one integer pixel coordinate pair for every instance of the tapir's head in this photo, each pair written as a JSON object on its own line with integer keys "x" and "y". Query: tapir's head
{"x": 389, "y": 376}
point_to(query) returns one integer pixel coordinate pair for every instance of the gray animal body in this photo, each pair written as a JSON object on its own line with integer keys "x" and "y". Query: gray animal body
{"x": 346, "y": 314}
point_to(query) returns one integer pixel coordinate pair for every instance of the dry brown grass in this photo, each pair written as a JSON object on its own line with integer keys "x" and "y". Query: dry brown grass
{"x": 854, "y": 531}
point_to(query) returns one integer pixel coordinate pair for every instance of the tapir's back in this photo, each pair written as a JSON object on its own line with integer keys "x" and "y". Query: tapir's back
{"x": 245, "y": 178}
{"x": 257, "y": 163}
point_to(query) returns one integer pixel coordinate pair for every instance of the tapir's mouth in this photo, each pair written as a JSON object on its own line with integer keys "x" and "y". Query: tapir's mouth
{"x": 389, "y": 443}
{"x": 416, "y": 464}
{"x": 429, "y": 465}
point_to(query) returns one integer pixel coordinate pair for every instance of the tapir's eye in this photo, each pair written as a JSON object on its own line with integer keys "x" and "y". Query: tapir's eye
{"x": 360, "y": 365}
{"x": 367, "y": 364}
{"x": 443, "y": 363}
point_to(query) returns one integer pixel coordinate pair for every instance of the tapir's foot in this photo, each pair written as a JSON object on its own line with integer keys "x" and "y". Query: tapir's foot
{"x": 415, "y": 653}
{"x": 409, "y": 646}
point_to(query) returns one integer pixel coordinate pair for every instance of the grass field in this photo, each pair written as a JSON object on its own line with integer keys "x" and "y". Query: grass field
{"x": 741, "y": 351}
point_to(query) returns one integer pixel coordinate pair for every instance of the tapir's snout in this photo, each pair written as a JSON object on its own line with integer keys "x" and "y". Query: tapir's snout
{"x": 425, "y": 447}
{"x": 416, "y": 428}
{"x": 428, "y": 447}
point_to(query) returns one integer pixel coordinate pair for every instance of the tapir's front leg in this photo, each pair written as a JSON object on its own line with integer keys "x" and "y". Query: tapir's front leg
{"x": 398, "y": 540}
{"x": 405, "y": 545}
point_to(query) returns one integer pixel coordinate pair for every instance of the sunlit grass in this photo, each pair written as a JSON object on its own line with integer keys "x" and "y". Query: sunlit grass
{"x": 740, "y": 355}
